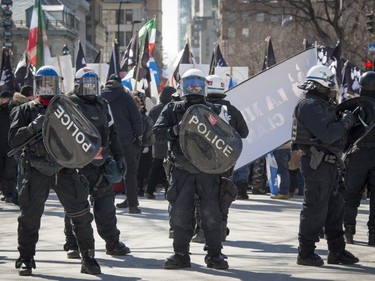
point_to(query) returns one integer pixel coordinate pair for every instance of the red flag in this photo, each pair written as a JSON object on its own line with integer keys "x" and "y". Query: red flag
{"x": 37, "y": 47}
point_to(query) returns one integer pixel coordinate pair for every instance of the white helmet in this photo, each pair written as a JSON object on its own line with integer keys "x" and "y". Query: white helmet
{"x": 322, "y": 75}
{"x": 193, "y": 82}
{"x": 215, "y": 86}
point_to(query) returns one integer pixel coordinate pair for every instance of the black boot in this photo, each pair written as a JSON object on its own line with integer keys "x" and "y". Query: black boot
{"x": 25, "y": 266}
{"x": 371, "y": 236}
{"x": 349, "y": 234}
{"x": 178, "y": 260}
{"x": 216, "y": 261}
{"x": 242, "y": 190}
{"x": 116, "y": 249}
{"x": 89, "y": 263}
{"x": 342, "y": 257}
{"x": 310, "y": 260}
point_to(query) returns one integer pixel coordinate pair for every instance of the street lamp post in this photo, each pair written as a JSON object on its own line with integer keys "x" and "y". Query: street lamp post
{"x": 118, "y": 19}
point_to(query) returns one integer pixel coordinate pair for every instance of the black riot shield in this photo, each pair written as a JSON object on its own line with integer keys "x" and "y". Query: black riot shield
{"x": 70, "y": 138}
{"x": 207, "y": 141}
{"x": 364, "y": 109}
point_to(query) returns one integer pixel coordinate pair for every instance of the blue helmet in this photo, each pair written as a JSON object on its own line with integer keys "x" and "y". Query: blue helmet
{"x": 193, "y": 82}
{"x": 86, "y": 82}
{"x": 47, "y": 81}
{"x": 112, "y": 171}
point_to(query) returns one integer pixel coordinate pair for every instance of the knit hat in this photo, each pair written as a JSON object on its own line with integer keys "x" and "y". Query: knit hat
{"x": 166, "y": 94}
{"x": 6, "y": 94}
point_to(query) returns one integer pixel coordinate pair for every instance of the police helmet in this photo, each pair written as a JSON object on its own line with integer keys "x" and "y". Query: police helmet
{"x": 193, "y": 82}
{"x": 86, "y": 82}
{"x": 215, "y": 86}
{"x": 47, "y": 81}
{"x": 320, "y": 78}
{"x": 367, "y": 84}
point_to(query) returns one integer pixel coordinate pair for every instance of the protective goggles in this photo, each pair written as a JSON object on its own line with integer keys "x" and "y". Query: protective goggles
{"x": 194, "y": 85}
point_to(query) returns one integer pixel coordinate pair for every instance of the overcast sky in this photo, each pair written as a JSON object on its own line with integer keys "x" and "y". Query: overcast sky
{"x": 169, "y": 30}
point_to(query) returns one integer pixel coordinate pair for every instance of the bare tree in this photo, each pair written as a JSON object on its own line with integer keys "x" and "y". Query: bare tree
{"x": 289, "y": 23}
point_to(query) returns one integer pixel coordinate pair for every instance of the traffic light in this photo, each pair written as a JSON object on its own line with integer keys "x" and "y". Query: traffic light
{"x": 369, "y": 65}
{"x": 370, "y": 22}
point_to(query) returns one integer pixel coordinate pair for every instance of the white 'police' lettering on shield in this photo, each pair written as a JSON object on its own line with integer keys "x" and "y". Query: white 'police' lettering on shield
{"x": 77, "y": 135}
{"x": 211, "y": 137}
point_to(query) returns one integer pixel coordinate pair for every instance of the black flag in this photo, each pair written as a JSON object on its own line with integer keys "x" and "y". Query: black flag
{"x": 7, "y": 80}
{"x": 80, "y": 60}
{"x": 144, "y": 56}
{"x": 114, "y": 64}
{"x": 130, "y": 56}
{"x": 269, "y": 56}
{"x": 24, "y": 73}
{"x": 217, "y": 59}
{"x": 187, "y": 57}
{"x": 98, "y": 57}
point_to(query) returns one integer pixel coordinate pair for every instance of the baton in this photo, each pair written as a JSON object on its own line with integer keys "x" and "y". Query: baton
{"x": 31, "y": 141}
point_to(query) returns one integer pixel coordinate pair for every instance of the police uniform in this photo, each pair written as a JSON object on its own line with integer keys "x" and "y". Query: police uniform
{"x": 41, "y": 173}
{"x": 319, "y": 134}
{"x": 360, "y": 172}
{"x": 101, "y": 191}
{"x": 185, "y": 182}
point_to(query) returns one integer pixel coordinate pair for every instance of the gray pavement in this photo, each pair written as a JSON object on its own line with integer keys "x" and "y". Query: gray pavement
{"x": 262, "y": 245}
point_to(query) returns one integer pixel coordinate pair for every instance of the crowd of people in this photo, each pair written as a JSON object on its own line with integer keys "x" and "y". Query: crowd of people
{"x": 143, "y": 148}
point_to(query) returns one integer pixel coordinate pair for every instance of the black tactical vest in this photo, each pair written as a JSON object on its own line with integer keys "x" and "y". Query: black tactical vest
{"x": 97, "y": 113}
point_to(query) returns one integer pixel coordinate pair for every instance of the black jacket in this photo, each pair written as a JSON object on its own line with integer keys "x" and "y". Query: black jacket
{"x": 128, "y": 119}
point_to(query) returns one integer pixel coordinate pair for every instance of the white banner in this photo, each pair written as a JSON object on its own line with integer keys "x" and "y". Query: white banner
{"x": 238, "y": 74}
{"x": 64, "y": 65}
{"x": 267, "y": 102}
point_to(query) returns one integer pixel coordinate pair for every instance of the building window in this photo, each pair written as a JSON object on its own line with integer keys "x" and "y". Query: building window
{"x": 260, "y": 17}
{"x": 231, "y": 32}
{"x": 128, "y": 16}
{"x": 245, "y": 32}
{"x": 120, "y": 17}
{"x": 120, "y": 38}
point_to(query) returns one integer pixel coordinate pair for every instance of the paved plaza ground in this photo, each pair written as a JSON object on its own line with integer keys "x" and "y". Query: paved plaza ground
{"x": 262, "y": 245}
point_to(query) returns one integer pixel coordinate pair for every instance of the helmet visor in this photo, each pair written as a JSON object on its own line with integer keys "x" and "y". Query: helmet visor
{"x": 89, "y": 86}
{"x": 47, "y": 85}
{"x": 194, "y": 85}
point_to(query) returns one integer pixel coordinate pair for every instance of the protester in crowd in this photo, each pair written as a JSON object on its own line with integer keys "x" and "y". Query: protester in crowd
{"x": 187, "y": 181}
{"x": 258, "y": 176}
{"x": 8, "y": 165}
{"x": 159, "y": 150}
{"x": 98, "y": 172}
{"x": 147, "y": 141}
{"x": 40, "y": 173}
{"x": 319, "y": 135}
{"x": 360, "y": 172}
{"x": 282, "y": 157}
{"x": 128, "y": 121}
{"x": 28, "y": 92}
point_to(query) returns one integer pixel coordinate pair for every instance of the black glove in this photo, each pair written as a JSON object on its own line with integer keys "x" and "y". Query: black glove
{"x": 138, "y": 140}
{"x": 348, "y": 119}
{"x": 37, "y": 125}
{"x": 122, "y": 165}
{"x": 175, "y": 130}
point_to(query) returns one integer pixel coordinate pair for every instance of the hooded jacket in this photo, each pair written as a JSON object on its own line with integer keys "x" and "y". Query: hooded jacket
{"x": 127, "y": 117}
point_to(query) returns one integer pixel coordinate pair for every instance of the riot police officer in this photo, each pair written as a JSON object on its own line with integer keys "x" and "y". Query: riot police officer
{"x": 186, "y": 181}
{"x": 40, "y": 172}
{"x": 361, "y": 172}
{"x": 318, "y": 133}
{"x": 96, "y": 109}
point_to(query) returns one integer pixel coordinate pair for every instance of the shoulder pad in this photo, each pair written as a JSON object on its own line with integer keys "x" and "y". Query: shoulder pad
{"x": 178, "y": 106}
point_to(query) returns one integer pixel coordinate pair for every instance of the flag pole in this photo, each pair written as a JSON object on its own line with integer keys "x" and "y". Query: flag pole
{"x": 140, "y": 54}
{"x": 60, "y": 70}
